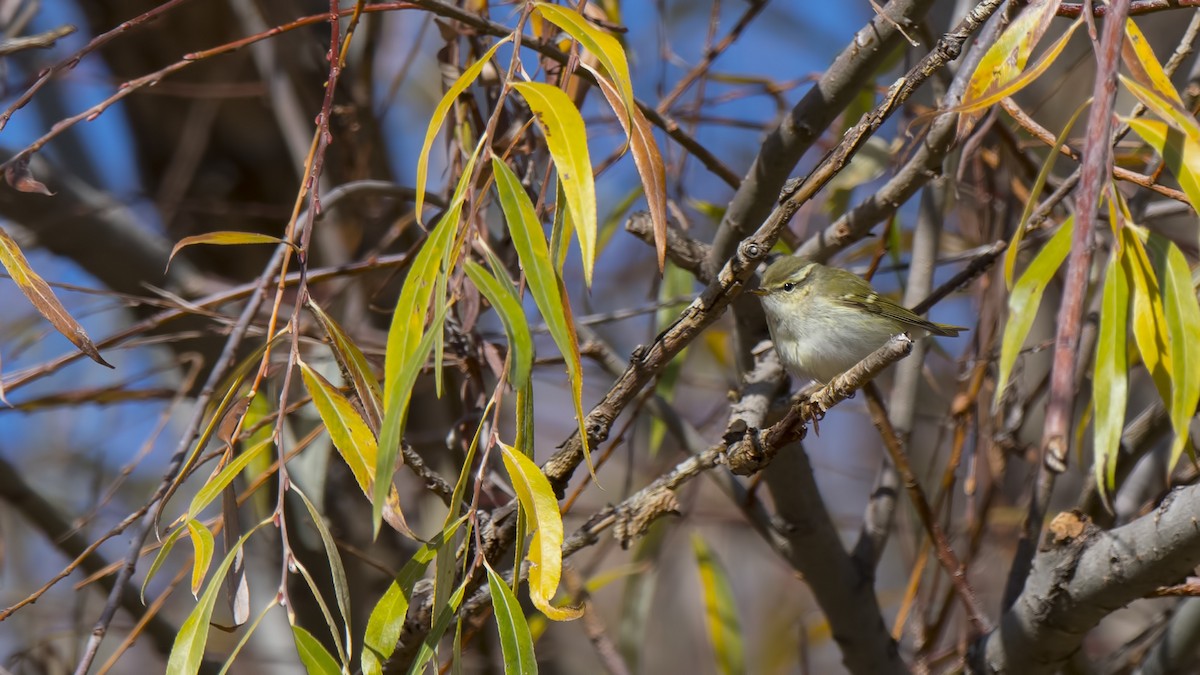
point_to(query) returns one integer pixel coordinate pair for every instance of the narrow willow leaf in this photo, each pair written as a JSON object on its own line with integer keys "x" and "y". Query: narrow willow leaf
{"x": 188, "y": 650}
{"x": 202, "y": 545}
{"x": 606, "y": 48}
{"x": 720, "y": 611}
{"x": 319, "y": 597}
{"x": 159, "y": 559}
{"x": 439, "y": 115}
{"x": 256, "y": 418}
{"x": 1006, "y": 58}
{"x": 1026, "y": 298}
{"x": 516, "y": 644}
{"x": 43, "y": 299}
{"x": 1111, "y": 376}
{"x": 1180, "y": 153}
{"x": 530, "y": 242}
{"x": 1175, "y": 114}
{"x": 224, "y": 238}
{"x": 1025, "y": 78}
{"x": 205, "y": 495}
{"x": 1014, "y": 247}
{"x": 649, "y": 163}
{"x": 337, "y": 571}
{"x": 316, "y": 659}
{"x": 676, "y": 283}
{"x": 408, "y": 344}
{"x": 1150, "y": 331}
{"x": 441, "y": 622}
{"x": 391, "y": 434}
{"x": 220, "y": 412}
{"x": 566, "y": 138}
{"x": 354, "y": 364}
{"x": 512, "y": 316}
{"x": 637, "y": 597}
{"x": 246, "y": 635}
{"x": 1183, "y": 321}
{"x": 387, "y": 618}
{"x": 353, "y": 440}
{"x": 545, "y": 552}
{"x": 1139, "y": 58}
{"x": 561, "y": 231}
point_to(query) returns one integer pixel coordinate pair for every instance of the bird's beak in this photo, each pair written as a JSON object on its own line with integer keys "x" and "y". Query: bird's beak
{"x": 760, "y": 291}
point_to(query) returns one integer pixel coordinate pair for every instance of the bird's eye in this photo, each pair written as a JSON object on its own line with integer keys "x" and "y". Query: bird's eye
{"x": 789, "y": 287}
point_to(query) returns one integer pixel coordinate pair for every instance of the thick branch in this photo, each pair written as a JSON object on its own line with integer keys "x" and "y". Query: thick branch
{"x": 1085, "y": 574}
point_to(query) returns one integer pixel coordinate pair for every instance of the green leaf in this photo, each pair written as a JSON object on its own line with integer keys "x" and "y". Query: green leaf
{"x": 391, "y": 434}
{"x": 1014, "y": 247}
{"x": 1026, "y": 297}
{"x": 720, "y": 611}
{"x": 439, "y": 115}
{"x": 441, "y": 621}
{"x": 337, "y": 572}
{"x": 387, "y": 618}
{"x": 1183, "y": 323}
{"x": 545, "y": 552}
{"x": 188, "y": 650}
{"x": 43, "y": 299}
{"x": 408, "y": 344}
{"x": 508, "y": 307}
{"x": 224, "y": 239}
{"x": 210, "y": 491}
{"x": 530, "y": 242}
{"x": 516, "y": 643}
{"x": 566, "y": 138}
{"x": 1111, "y": 376}
{"x": 159, "y": 559}
{"x": 202, "y": 544}
{"x": 353, "y": 440}
{"x": 316, "y": 659}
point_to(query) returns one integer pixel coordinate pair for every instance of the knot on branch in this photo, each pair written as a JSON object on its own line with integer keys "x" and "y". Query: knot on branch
{"x": 634, "y": 518}
{"x": 1069, "y": 527}
{"x": 745, "y": 454}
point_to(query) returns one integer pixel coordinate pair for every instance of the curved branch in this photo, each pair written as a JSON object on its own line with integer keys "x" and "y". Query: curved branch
{"x": 1082, "y": 575}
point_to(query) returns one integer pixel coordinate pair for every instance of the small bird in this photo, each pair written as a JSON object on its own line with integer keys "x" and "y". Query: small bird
{"x": 824, "y": 320}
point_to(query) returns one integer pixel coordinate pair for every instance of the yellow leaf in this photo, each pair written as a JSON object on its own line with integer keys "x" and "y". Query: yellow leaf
{"x": 1139, "y": 58}
{"x": 43, "y": 299}
{"x": 1149, "y": 321}
{"x": 353, "y": 440}
{"x": 224, "y": 239}
{"x": 720, "y": 611}
{"x": 1180, "y": 152}
{"x": 566, "y": 138}
{"x": 1005, "y": 60}
{"x": 202, "y": 544}
{"x": 545, "y": 552}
